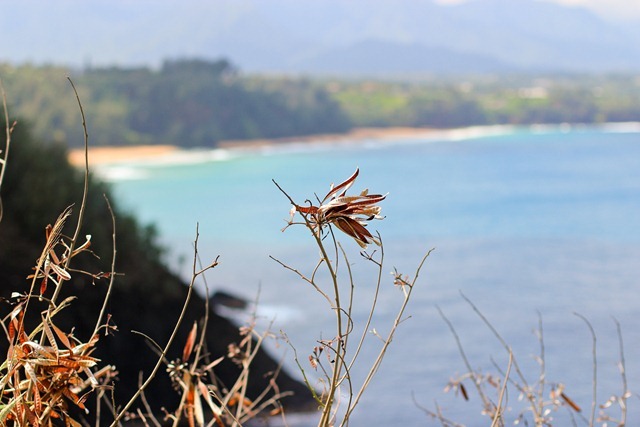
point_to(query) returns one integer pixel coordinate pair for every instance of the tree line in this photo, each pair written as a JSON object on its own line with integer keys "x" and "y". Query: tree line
{"x": 185, "y": 103}
{"x": 489, "y": 100}
{"x": 200, "y": 103}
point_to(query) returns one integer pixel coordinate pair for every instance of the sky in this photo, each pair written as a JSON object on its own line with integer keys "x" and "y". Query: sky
{"x": 610, "y": 9}
{"x": 81, "y": 32}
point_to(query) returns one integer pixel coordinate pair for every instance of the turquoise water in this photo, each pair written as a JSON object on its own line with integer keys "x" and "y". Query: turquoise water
{"x": 523, "y": 221}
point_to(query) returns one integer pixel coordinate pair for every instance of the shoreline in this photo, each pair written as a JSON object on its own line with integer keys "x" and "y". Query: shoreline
{"x": 111, "y": 155}
{"x": 114, "y": 155}
{"x": 356, "y": 134}
{"x": 120, "y": 154}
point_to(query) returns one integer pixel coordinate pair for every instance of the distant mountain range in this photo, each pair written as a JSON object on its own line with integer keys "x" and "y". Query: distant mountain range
{"x": 365, "y": 37}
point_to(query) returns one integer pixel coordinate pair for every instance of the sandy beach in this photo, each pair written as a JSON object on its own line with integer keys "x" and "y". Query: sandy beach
{"x": 357, "y": 134}
{"x": 110, "y": 155}
{"x": 113, "y": 155}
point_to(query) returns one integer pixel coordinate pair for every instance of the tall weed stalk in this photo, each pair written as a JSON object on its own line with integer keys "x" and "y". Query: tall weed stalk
{"x": 334, "y": 359}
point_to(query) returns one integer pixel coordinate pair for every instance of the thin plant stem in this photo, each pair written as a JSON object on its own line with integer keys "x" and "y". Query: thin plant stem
{"x": 8, "y": 130}
{"x": 302, "y": 371}
{"x": 543, "y": 368}
{"x": 594, "y": 382}
{"x": 437, "y": 415}
{"x": 387, "y": 341}
{"x": 113, "y": 269}
{"x": 205, "y": 321}
{"x": 85, "y": 191}
{"x": 497, "y": 419}
{"x": 349, "y": 311}
{"x": 337, "y": 368}
{"x": 333, "y": 384}
{"x": 305, "y": 278}
{"x": 169, "y": 342}
{"x": 345, "y": 215}
{"x": 474, "y": 377}
{"x": 525, "y": 385}
{"x": 376, "y": 293}
{"x": 623, "y": 374}
{"x": 145, "y": 403}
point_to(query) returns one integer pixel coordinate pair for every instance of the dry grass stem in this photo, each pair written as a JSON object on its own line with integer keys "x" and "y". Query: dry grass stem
{"x": 112, "y": 273}
{"x": 85, "y": 192}
{"x": 594, "y": 400}
{"x": 174, "y": 333}
{"x": 203, "y": 400}
{"x": 498, "y": 419}
{"x": 7, "y": 142}
{"x": 541, "y": 409}
{"x": 349, "y": 214}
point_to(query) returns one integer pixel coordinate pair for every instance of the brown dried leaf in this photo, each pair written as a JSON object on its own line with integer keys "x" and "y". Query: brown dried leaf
{"x": 73, "y": 398}
{"x": 463, "y": 390}
{"x": 31, "y": 417}
{"x": 275, "y": 411}
{"x": 43, "y": 285}
{"x": 197, "y": 406}
{"x": 344, "y": 186}
{"x": 354, "y": 229}
{"x": 570, "y": 402}
{"x": 62, "y": 336}
{"x": 191, "y": 340}
{"x": 50, "y": 337}
{"x": 61, "y": 272}
{"x": 71, "y": 422}
{"x": 213, "y": 364}
{"x": 347, "y": 213}
{"x": 37, "y": 400}
{"x": 204, "y": 392}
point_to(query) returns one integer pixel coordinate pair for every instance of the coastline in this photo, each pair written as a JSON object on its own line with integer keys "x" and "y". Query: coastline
{"x": 111, "y": 155}
{"x": 99, "y": 156}
{"x": 117, "y": 154}
{"x": 356, "y": 134}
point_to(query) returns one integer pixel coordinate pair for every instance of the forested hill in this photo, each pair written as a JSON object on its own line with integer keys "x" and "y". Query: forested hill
{"x": 186, "y": 103}
{"x": 200, "y": 103}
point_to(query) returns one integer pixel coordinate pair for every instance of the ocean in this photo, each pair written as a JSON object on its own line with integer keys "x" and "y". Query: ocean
{"x": 530, "y": 224}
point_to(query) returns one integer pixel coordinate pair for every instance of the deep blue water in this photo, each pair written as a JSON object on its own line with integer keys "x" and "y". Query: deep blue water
{"x": 523, "y": 222}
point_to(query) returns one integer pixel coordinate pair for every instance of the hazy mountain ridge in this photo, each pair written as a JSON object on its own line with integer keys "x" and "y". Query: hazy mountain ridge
{"x": 331, "y": 36}
{"x": 399, "y": 59}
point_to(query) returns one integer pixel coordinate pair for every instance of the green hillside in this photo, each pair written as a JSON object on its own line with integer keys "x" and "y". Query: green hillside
{"x": 199, "y": 103}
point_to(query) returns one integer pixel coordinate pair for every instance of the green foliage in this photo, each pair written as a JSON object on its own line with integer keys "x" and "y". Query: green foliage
{"x": 199, "y": 103}
{"x": 372, "y": 104}
{"x": 186, "y": 103}
{"x": 490, "y": 100}
{"x": 41, "y": 96}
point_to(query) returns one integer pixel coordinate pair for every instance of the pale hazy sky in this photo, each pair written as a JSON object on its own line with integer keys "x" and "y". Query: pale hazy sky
{"x": 617, "y": 9}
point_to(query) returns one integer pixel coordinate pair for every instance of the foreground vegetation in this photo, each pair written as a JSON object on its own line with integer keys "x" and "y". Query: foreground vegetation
{"x": 70, "y": 286}
{"x": 58, "y": 371}
{"x": 199, "y": 103}
{"x": 55, "y": 322}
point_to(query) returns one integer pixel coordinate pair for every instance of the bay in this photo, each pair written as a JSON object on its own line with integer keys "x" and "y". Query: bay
{"x": 524, "y": 221}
